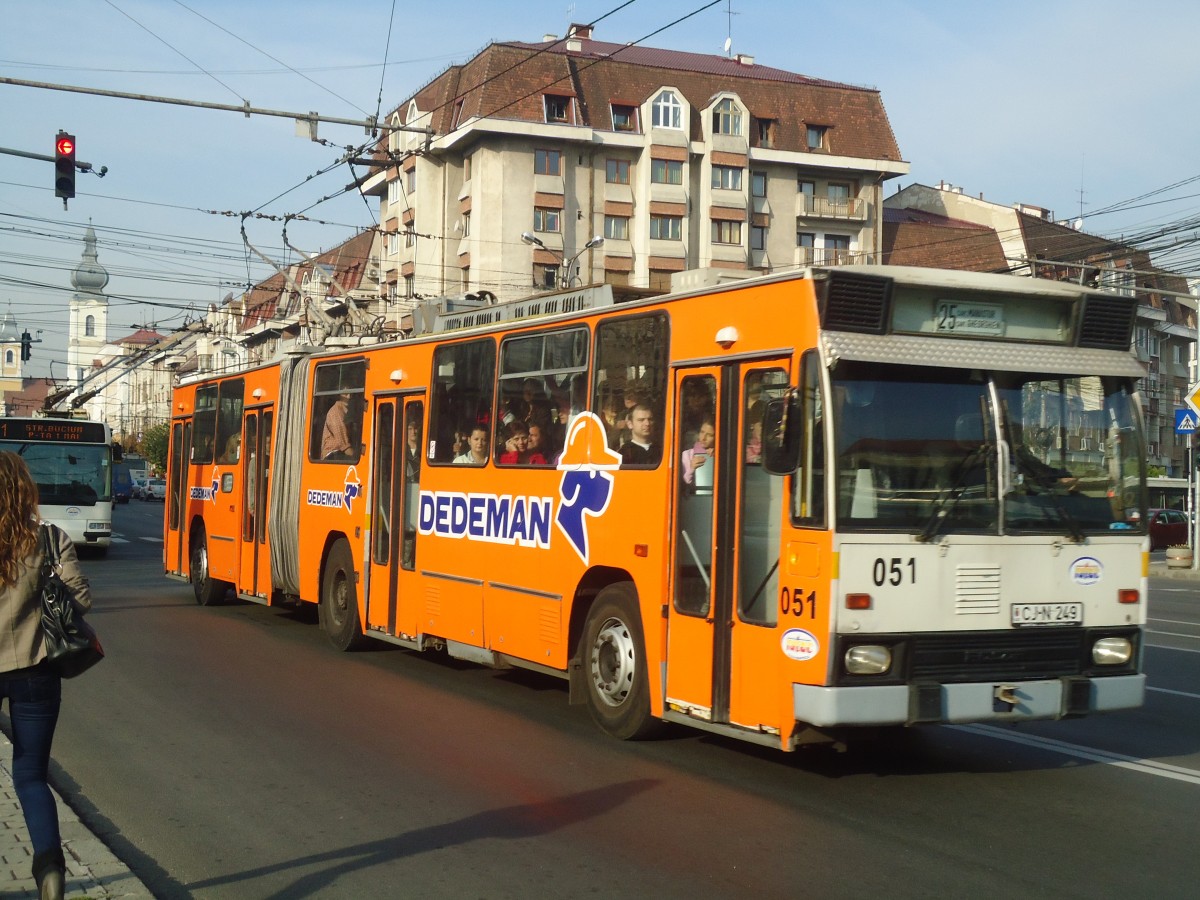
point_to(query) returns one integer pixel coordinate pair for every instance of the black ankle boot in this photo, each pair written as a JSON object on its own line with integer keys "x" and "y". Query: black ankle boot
{"x": 49, "y": 871}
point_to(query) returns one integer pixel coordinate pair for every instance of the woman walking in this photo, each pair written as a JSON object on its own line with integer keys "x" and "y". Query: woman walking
{"x": 32, "y": 687}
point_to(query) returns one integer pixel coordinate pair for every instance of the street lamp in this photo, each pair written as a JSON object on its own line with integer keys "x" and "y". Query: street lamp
{"x": 568, "y": 266}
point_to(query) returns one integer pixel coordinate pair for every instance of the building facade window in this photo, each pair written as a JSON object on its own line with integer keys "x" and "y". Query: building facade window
{"x": 465, "y": 283}
{"x": 616, "y": 171}
{"x": 668, "y": 111}
{"x": 624, "y": 118}
{"x": 393, "y": 192}
{"x": 545, "y": 219}
{"x": 808, "y": 190}
{"x": 666, "y": 171}
{"x": 410, "y": 237}
{"x": 666, "y": 228}
{"x": 616, "y": 228}
{"x": 815, "y": 137}
{"x": 758, "y": 184}
{"x": 545, "y": 276}
{"x": 9, "y": 357}
{"x": 725, "y": 232}
{"x": 837, "y": 249}
{"x": 393, "y": 243}
{"x": 558, "y": 109}
{"x": 727, "y": 178}
{"x": 547, "y": 162}
{"x": 766, "y": 132}
{"x": 410, "y": 286}
{"x": 89, "y": 326}
{"x": 807, "y": 242}
{"x": 727, "y": 118}
{"x": 466, "y": 224}
{"x": 758, "y": 237}
{"x": 839, "y": 198}
{"x": 466, "y": 168}
{"x": 410, "y": 181}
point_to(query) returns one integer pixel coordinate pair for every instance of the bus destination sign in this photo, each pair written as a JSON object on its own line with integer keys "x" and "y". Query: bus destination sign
{"x": 984, "y": 319}
{"x": 58, "y": 430}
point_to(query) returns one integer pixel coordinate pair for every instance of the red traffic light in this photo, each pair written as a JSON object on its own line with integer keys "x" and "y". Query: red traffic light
{"x": 65, "y": 145}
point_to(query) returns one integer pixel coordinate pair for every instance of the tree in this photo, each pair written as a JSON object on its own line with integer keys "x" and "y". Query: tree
{"x": 154, "y": 445}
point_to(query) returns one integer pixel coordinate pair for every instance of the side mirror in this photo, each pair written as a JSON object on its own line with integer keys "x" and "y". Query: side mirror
{"x": 783, "y": 431}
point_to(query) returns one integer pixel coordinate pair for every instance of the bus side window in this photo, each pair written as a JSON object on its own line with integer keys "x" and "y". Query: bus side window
{"x": 337, "y": 414}
{"x": 464, "y": 377}
{"x": 204, "y": 429}
{"x": 808, "y": 483}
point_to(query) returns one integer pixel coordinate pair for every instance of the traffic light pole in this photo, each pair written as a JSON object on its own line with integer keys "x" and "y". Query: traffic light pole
{"x": 45, "y": 157}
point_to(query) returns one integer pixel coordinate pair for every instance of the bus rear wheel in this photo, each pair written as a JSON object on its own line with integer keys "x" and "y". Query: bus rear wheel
{"x": 339, "y": 599}
{"x": 614, "y": 663}
{"x": 209, "y": 591}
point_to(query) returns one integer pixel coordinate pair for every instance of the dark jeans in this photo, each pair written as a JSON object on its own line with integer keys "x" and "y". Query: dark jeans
{"x": 34, "y": 696}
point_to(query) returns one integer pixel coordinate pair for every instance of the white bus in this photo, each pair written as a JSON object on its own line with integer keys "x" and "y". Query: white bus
{"x": 72, "y": 462}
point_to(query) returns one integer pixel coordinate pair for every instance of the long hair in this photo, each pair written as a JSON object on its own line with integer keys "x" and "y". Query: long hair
{"x": 18, "y": 516}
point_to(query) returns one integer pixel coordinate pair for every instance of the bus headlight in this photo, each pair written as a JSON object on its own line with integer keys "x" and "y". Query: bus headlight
{"x": 868, "y": 659}
{"x": 1112, "y": 651}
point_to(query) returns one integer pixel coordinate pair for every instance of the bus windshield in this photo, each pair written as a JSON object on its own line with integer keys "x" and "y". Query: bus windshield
{"x": 931, "y": 450}
{"x": 67, "y": 474}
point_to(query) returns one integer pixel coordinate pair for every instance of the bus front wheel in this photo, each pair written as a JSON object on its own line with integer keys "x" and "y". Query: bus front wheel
{"x": 339, "y": 599}
{"x": 614, "y": 657}
{"x": 209, "y": 591}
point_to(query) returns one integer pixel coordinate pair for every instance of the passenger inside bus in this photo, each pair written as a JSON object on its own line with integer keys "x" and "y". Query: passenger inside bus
{"x": 232, "y": 449}
{"x": 698, "y": 463}
{"x": 335, "y": 436}
{"x": 643, "y": 447}
{"x": 477, "y": 448}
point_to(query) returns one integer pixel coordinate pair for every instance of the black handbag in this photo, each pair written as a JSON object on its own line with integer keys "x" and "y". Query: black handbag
{"x": 72, "y": 646}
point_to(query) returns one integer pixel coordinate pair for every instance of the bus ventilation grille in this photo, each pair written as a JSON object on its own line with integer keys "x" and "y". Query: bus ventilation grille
{"x": 859, "y": 303}
{"x": 997, "y": 655}
{"x": 1107, "y": 323}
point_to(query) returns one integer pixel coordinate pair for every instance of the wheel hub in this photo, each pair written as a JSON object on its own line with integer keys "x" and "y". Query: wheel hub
{"x": 612, "y": 662}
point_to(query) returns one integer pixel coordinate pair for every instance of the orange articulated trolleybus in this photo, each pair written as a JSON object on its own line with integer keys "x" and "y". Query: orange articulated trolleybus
{"x": 776, "y": 509}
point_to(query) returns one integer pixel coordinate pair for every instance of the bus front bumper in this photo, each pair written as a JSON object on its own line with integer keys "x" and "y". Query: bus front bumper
{"x": 909, "y": 704}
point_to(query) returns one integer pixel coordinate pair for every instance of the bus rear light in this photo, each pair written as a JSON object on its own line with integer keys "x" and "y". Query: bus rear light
{"x": 868, "y": 659}
{"x": 1128, "y": 595}
{"x": 858, "y": 601}
{"x": 1112, "y": 651}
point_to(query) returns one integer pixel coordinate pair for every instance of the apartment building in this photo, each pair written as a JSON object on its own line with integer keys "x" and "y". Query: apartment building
{"x": 573, "y": 161}
{"x": 946, "y": 227}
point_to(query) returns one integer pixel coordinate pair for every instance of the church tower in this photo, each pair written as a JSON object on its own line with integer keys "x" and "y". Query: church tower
{"x": 88, "y": 330}
{"x": 10, "y": 355}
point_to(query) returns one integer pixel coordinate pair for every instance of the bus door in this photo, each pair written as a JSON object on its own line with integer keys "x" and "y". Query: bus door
{"x": 395, "y": 484}
{"x": 255, "y": 571}
{"x": 728, "y": 514}
{"x": 178, "y": 497}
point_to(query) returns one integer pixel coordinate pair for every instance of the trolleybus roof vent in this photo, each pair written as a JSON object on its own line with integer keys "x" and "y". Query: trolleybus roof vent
{"x": 1107, "y": 322}
{"x": 856, "y": 302}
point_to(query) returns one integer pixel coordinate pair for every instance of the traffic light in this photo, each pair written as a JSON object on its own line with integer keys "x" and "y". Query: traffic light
{"x": 64, "y": 165}
{"x": 26, "y": 346}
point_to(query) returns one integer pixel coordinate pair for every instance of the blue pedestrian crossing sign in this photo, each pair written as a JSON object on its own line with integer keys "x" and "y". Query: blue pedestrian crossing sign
{"x": 1186, "y": 421}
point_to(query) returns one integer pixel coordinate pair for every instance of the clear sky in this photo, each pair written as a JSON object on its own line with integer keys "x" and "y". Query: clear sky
{"x": 1079, "y": 106}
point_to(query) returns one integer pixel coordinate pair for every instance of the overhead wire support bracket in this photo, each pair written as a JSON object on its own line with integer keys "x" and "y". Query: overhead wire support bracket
{"x": 370, "y": 124}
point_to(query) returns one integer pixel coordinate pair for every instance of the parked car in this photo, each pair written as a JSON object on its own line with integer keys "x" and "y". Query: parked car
{"x": 138, "y": 489}
{"x": 1168, "y": 527}
{"x": 156, "y": 489}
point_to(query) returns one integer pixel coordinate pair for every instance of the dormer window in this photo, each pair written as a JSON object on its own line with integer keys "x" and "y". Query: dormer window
{"x": 558, "y": 109}
{"x": 668, "y": 111}
{"x": 727, "y": 118}
{"x": 624, "y": 118}
{"x": 816, "y": 136}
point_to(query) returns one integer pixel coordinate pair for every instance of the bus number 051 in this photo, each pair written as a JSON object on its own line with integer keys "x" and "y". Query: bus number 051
{"x": 893, "y": 571}
{"x": 793, "y": 603}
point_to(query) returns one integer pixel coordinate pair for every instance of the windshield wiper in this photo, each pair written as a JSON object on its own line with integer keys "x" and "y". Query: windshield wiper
{"x": 945, "y": 503}
{"x": 1045, "y": 480}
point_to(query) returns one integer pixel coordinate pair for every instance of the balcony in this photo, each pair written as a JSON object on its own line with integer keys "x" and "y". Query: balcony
{"x": 830, "y": 256}
{"x": 852, "y": 209}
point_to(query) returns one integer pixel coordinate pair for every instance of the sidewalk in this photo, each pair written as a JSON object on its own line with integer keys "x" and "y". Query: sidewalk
{"x": 1162, "y": 570}
{"x": 92, "y": 870}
